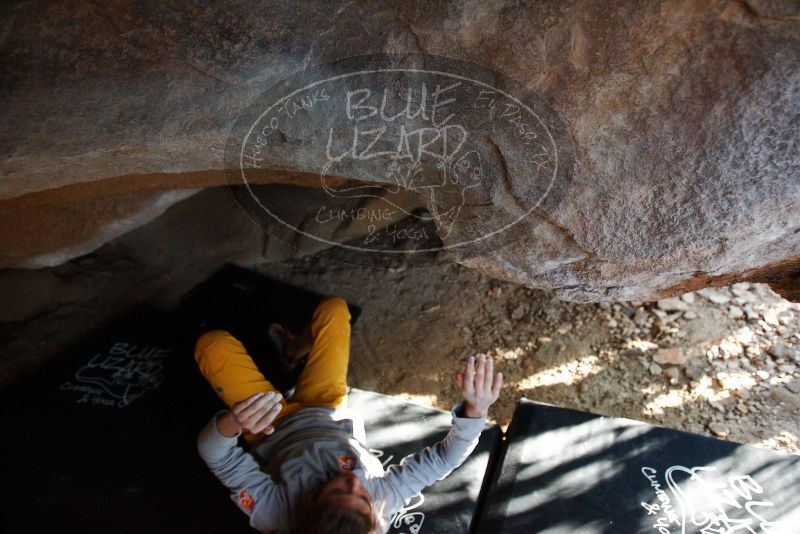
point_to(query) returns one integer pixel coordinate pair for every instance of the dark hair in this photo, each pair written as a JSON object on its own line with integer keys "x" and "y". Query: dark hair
{"x": 324, "y": 518}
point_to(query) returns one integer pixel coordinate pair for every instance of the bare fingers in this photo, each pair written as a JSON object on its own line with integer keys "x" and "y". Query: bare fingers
{"x": 480, "y": 373}
{"x": 469, "y": 378}
{"x": 249, "y": 414}
{"x": 498, "y": 384}
{"x": 240, "y": 406}
{"x": 244, "y": 412}
{"x": 264, "y": 424}
{"x": 489, "y": 378}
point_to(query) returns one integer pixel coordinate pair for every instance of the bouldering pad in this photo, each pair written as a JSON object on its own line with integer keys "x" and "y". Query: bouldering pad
{"x": 565, "y": 471}
{"x": 103, "y": 439}
{"x": 395, "y": 429}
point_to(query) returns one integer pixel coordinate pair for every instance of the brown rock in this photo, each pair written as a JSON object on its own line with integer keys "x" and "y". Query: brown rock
{"x": 718, "y": 429}
{"x": 119, "y": 98}
{"x": 673, "y": 356}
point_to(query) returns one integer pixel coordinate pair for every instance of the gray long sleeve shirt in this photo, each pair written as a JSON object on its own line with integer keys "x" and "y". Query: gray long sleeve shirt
{"x": 312, "y": 446}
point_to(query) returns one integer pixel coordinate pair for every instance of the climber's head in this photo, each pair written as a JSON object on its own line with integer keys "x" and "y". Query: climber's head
{"x": 341, "y": 505}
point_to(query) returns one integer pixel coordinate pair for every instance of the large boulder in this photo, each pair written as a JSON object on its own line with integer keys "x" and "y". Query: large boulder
{"x": 676, "y": 124}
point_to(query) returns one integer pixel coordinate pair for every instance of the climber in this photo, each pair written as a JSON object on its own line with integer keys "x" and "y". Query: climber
{"x": 308, "y": 469}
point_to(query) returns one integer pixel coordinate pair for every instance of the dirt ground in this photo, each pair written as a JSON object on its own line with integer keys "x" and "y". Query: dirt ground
{"x": 722, "y": 362}
{"x": 730, "y": 357}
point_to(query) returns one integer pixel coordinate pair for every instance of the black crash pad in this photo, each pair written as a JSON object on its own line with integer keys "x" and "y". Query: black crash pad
{"x": 103, "y": 439}
{"x": 572, "y": 472}
{"x": 396, "y": 429}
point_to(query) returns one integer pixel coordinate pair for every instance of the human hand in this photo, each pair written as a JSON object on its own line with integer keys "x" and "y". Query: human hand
{"x": 479, "y": 385}
{"x": 257, "y": 412}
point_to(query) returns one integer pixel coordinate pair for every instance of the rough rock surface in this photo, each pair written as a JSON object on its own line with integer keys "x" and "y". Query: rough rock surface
{"x": 684, "y": 119}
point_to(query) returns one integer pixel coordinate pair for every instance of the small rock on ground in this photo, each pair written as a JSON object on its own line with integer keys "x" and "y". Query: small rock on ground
{"x": 674, "y": 356}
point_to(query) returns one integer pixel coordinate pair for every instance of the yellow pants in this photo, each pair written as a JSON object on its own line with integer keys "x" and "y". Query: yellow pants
{"x": 235, "y": 377}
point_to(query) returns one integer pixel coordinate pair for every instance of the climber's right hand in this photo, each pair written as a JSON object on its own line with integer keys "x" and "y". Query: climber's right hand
{"x": 257, "y": 412}
{"x": 479, "y": 385}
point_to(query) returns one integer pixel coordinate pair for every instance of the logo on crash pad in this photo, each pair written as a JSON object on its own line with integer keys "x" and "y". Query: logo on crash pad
{"x": 119, "y": 375}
